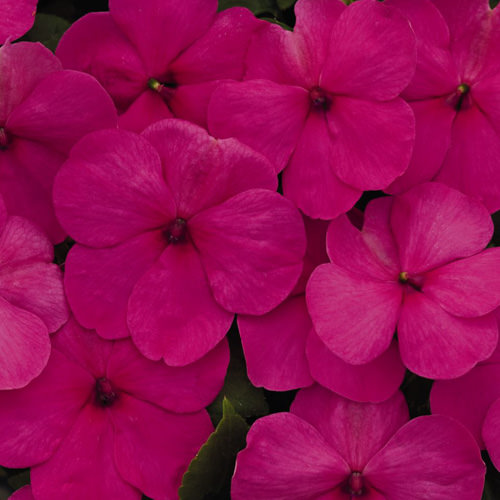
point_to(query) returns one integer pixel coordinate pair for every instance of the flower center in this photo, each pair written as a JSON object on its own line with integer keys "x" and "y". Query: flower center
{"x": 320, "y": 99}
{"x": 415, "y": 282}
{"x": 461, "y": 98}
{"x": 4, "y": 139}
{"x": 105, "y": 393}
{"x": 355, "y": 485}
{"x": 165, "y": 89}
{"x": 176, "y": 231}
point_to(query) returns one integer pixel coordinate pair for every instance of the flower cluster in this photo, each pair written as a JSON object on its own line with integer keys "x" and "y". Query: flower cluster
{"x": 323, "y": 192}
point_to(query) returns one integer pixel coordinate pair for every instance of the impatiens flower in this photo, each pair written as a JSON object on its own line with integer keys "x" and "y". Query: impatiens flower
{"x": 331, "y": 448}
{"x": 418, "y": 266}
{"x": 323, "y": 100}
{"x": 283, "y": 352}
{"x": 17, "y": 18}
{"x": 32, "y": 302}
{"x": 160, "y": 58}
{"x": 474, "y": 400}
{"x": 24, "y": 493}
{"x": 43, "y": 112}
{"x": 101, "y": 421}
{"x": 455, "y": 97}
{"x": 176, "y": 232}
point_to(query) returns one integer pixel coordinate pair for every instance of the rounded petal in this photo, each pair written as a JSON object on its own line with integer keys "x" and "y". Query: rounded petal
{"x": 22, "y": 66}
{"x": 24, "y": 493}
{"x": 97, "y": 287}
{"x": 209, "y": 171}
{"x": 265, "y": 115}
{"x": 63, "y": 107}
{"x": 275, "y": 346}
{"x": 35, "y": 419}
{"x": 111, "y": 189}
{"x": 310, "y": 180}
{"x": 356, "y": 430}
{"x": 155, "y": 461}
{"x": 435, "y": 344}
{"x": 467, "y": 287}
{"x": 490, "y": 433}
{"x": 372, "y": 151}
{"x": 429, "y": 457}
{"x": 190, "y": 102}
{"x": 296, "y": 457}
{"x": 373, "y": 52}
{"x": 252, "y": 248}
{"x": 180, "y": 389}
{"x": 372, "y": 382}
{"x": 83, "y": 462}
{"x": 172, "y": 27}
{"x": 172, "y": 313}
{"x": 353, "y": 315}
{"x": 434, "y": 224}
{"x": 94, "y": 44}
{"x": 17, "y": 18}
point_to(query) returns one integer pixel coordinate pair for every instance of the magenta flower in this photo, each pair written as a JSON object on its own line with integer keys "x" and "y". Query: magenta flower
{"x": 454, "y": 96}
{"x": 177, "y": 231}
{"x": 24, "y": 493}
{"x": 32, "y": 302}
{"x": 323, "y": 100}
{"x": 282, "y": 351}
{"x": 103, "y": 419}
{"x": 331, "y": 448}
{"x": 160, "y": 58}
{"x": 418, "y": 265}
{"x": 43, "y": 112}
{"x": 17, "y": 18}
{"x": 474, "y": 400}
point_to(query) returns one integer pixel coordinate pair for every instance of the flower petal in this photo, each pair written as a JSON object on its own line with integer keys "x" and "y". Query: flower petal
{"x": 437, "y": 345}
{"x": 372, "y": 382}
{"x": 23, "y": 493}
{"x": 353, "y": 315}
{"x": 296, "y": 457}
{"x": 356, "y": 430}
{"x": 97, "y": 287}
{"x": 83, "y": 463}
{"x": 266, "y": 116}
{"x": 172, "y": 312}
{"x": 274, "y": 345}
{"x": 111, "y": 189}
{"x": 490, "y": 433}
{"x": 434, "y": 225}
{"x": 155, "y": 461}
{"x": 429, "y": 457}
{"x": 251, "y": 247}
{"x": 34, "y": 420}
{"x": 17, "y": 18}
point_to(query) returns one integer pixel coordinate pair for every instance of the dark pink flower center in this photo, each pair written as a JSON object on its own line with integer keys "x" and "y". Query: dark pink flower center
{"x": 415, "y": 282}
{"x": 105, "y": 393}
{"x": 4, "y": 138}
{"x": 320, "y": 99}
{"x": 461, "y": 98}
{"x": 355, "y": 486}
{"x": 176, "y": 231}
{"x": 164, "y": 88}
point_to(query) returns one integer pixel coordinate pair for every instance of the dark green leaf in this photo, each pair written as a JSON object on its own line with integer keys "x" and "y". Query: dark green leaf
{"x": 275, "y": 21}
{"x": 258, "y": 7}
{"x": 47, "y": 29}
{"x": 209, "y": 474}
{"x": 285, "y": 4}
{"x": 20, "y": 479}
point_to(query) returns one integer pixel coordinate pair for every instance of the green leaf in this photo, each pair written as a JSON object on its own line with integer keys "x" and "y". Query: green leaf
{"x": 19, "y": 479}
{"x": 275, "y": 21}
{"x": 47, "y": 29}
{"x": 285, "y": 4}
{"x": 258, "y": 7}
{"x": 209, "y": 474}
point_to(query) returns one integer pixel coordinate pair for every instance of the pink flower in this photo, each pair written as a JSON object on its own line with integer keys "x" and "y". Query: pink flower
{"x": 322, "y": 101}
{"x": 43, "y": 112}
{"x": 419, "y": 266}
{"x": 32, "y": 302}
{"x": 454, "y": 96}
{"x": 177, "y": 231}
{"x": 17, "y": 18}
{"x": 160, "y": 58}
{"x": 283, "y": 352}
{"x": 331, "y": 448}
{"x": 103, "y": 419}
{"x": 24, "y": 493}
{"x": 474, "y": 400}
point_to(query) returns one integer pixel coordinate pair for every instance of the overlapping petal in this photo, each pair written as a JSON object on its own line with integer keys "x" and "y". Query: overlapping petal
{"x": 17, "y": 18}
